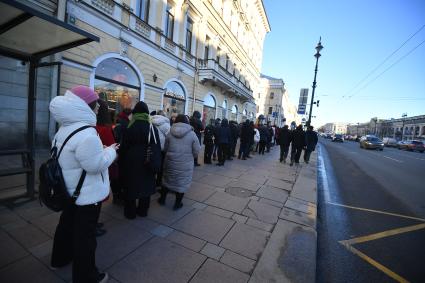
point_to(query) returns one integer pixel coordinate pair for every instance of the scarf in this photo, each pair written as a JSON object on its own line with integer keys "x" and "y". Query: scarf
{"x": 139, "y": 117}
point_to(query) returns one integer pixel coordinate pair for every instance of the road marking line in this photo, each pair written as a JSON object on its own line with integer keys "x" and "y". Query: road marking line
{"x": 376, "y": 264}
{"x": 322, "y": 171}
{"x": 377, "y": 211}
{"x": 397, "y": 153}
{"x": 399, "y": 161}
{"x": 383, "y": 234}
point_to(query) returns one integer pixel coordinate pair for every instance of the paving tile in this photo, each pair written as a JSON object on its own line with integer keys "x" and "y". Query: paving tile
{"x": 165, "y": 214}
{"x": 28, "y": 269}
{"x": 302, "y": 206}
{"x": 228, "y": 202}
{"x": 252, "y": 186}
{"x": 47, "y": 223}
{"x": 143, "y": 223}
{"x": 117, "y": 243}
{"x": 10, "y": 249}
{"x": 217, "y": 180}
{"x": 186, "y": 241}
{"x": 273, "y": 193}
{"x": 199, "y": 205}
{"x": 212, "y": 251}
{"x": 158, "y": 260}
{"x": 262, "y": 212}
{"x": 239, "y": 218}
{"x": 218, "y": 211}
{"x": 258, "y": 179}
{"x": 245, "y": 240}
{"x": 32, "y": 210}
{"x": 213, "y": 272}
{"x": 29, "y": 235}
{"x": 199, "y": 175}
{"x": 206, "y": 226}
{"x": 42, "y": 250}
{"x": 259, "y": 224}
{"x": 279, "y": 184}
{"x": 271, "y": 202}
{"x": 162, "y": 231}
{"x": 238, "y": 262}
{"x": 223, "y": 171}
{"x": 298, "y": 217}
{"x": 8, "y": 216}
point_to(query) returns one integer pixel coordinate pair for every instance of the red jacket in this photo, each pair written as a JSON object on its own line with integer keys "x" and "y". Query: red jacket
{"x": 106, "y": 135}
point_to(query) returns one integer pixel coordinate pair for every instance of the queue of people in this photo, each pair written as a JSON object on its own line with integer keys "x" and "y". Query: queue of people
{"x": 143, "y": 151}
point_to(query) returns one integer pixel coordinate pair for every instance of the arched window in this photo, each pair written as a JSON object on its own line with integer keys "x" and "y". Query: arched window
{"x": 209, "y": 109}
{"x": 117, "y": 83}
{"x": 234, "y": 116}
{"x": 174, "y": 101}
{"x": 224, "y": 110}
{"x": 244, "y": 115}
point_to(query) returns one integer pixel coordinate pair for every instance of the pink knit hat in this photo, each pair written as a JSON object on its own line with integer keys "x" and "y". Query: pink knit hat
{"x": 85, "y": 93}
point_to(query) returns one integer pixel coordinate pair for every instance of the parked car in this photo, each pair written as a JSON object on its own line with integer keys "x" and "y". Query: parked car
{"x": 412, "y": 145}
{"x": 372, "y": 142}
{"x": 390, "y": 142}
{"x": 337, "y": 138}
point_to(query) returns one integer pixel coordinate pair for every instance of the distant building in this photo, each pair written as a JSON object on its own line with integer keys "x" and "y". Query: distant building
{"x": 273, "y": 102}
{"x": 336, "y": 128}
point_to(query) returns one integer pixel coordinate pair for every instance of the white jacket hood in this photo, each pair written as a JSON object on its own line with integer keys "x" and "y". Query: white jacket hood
{"x": 159, "y": 120}
{"x": 69, "y": 109}
{"x": 163, "y": 125}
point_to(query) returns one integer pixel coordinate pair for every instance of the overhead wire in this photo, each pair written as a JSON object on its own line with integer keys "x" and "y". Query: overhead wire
{"x": 383, "y": 62}
{"x": 392, "y": 65}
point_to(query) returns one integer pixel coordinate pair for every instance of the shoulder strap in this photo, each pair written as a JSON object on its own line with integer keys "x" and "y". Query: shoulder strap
{"x": 151, "y": 129}
{"x": 77, "y": 191}
{"x": 70, "y": 136}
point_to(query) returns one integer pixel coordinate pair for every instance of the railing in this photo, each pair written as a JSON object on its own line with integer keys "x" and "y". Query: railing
{"x": 143, "y": 28}
{"x": 106, "y": 6}
{"x": 211, "y": 64}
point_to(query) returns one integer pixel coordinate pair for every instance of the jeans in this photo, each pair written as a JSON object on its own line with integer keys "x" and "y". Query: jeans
{"x": 75, "y": 241}
{"x": 307, "y": 154}
{"x": 208, "y": 153}
{"x": 296, "y": 153}
{"x": 222, "y": 151}
{"x": 284, "y": 149}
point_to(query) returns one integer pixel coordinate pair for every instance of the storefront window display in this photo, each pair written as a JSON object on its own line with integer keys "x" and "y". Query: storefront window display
{"x": 209, "y": 109}
{"x": 117, "y": 83}
{"x": 174, "y": 99}
{"x": 234, "y": 116}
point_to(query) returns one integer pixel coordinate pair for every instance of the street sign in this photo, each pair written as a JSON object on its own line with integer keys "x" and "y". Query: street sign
{"x": 303, "y": 101}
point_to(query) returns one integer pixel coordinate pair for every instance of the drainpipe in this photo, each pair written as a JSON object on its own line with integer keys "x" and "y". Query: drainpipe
{"x": 194, "y": 84}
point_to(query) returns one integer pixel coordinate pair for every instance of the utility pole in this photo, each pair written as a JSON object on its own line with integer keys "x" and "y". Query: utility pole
{"x": 319, "y": 47}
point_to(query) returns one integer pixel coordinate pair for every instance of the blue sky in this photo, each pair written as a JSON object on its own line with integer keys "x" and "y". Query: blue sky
{"x": 357, "y": 35}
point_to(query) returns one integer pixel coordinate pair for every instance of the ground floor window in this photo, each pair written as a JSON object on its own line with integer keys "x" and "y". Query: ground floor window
{"x": 224, "y": 109}
{"x": 118, "y": 84}
{"x": 209, "y": 109}
{"x": 234, "y": 116}
{"x": 174, "y": 101}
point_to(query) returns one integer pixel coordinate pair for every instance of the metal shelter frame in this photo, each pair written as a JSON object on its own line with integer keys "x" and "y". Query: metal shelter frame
{"x": 20, "y": 52}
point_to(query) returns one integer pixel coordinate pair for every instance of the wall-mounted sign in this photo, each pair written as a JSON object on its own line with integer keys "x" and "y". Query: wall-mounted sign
{"x": 302, "y": 104}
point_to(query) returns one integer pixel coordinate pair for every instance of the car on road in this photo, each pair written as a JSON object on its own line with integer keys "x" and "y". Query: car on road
{"x": 337, "y": 138}
{"x": 412, "y": 145}
{"x": 371, "y": 142}
{"x": 389, "y": 142}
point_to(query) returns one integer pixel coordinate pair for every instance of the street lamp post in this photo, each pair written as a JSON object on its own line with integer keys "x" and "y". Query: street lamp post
{"x": 404, "y": 115}
{"x": 319, "y": 47}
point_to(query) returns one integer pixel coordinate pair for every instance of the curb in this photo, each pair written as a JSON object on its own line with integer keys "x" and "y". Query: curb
{"x": 290, "y": 254}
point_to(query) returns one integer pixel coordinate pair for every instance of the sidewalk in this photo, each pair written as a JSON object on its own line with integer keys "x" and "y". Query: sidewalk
{"x": 249, "y": 221}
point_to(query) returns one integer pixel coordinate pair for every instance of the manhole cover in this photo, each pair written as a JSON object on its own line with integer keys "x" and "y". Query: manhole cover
{"x": 239, "y": 192}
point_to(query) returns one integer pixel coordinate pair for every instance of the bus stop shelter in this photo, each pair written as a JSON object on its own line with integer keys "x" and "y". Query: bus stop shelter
{"x": 29, "y": 35}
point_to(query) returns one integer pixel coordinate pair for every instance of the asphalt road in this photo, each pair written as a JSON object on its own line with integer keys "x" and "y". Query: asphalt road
{"x": 371, "y": 223}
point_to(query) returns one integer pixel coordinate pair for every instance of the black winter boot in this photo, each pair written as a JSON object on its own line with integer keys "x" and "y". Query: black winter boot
{"x": 178, "y": 204}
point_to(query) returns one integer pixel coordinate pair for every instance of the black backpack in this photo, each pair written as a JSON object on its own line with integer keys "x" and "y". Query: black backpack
{"x": 52, "y": 189}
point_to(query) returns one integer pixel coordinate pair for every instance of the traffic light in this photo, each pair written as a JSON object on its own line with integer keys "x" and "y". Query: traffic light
{"x": 317, "y": 103}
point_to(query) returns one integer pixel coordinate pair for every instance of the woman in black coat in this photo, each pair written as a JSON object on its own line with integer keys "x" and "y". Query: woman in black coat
{"x": 139, "y": 180}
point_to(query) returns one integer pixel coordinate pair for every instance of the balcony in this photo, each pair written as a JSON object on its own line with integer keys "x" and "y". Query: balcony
{"x": 210, "y": 70}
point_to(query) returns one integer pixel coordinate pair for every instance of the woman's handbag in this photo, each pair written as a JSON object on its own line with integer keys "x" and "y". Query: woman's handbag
{"x": 153, "y": 152}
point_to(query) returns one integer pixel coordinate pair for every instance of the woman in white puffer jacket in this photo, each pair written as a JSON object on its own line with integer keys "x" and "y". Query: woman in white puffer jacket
{"x": 75, "y": 239}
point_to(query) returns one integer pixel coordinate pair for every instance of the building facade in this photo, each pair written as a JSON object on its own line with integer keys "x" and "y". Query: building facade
{"x": 179, "y": 56}
{"x": 176, "y": 55}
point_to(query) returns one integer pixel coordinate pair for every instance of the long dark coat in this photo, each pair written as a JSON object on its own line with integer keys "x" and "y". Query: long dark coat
{"x": 298, "y": 138}
{"x": 285, "y": 137}
{"x": 138, "y": 180}
{"x": 311, "y": 140}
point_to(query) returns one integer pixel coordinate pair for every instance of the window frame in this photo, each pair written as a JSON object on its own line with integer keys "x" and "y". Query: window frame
{"x": 169, "y": 18}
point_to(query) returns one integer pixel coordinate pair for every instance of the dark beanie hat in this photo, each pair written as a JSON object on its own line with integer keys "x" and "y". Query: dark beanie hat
{"x": 141, "y": 107}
